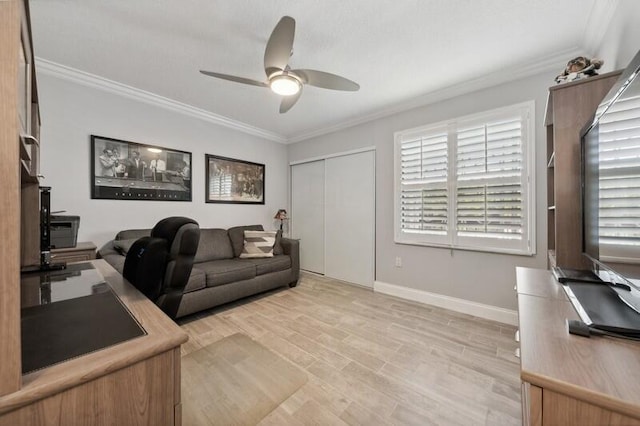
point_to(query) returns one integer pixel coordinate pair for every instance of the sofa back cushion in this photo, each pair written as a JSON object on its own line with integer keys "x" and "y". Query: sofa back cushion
{"x": 214, "y": 245}
{"x": 236, "y": 235}
{"x": 133, "y": 234}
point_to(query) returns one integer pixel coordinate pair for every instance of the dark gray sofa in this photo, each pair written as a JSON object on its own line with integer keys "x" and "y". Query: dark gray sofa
{"x": 219, "y": 276}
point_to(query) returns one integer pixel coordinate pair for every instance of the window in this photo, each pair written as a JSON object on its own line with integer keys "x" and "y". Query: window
{"x": 468, "y": 183}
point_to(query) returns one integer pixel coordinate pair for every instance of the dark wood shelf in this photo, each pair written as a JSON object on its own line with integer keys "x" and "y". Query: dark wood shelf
{"x": 569, "y": 107}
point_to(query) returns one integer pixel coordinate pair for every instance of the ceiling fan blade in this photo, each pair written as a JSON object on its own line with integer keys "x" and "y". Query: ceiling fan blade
{"x": 289, "y": 101}
{"x": 279, "y": 46}
{"x": 326, "y": 80}
{"x": 235, "y": 79}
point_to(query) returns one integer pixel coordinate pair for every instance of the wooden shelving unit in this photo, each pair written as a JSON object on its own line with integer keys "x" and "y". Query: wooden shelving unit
{"x": 570, "y": 107}
{"x": 135, "y": 382}
{"x": 19, "y": 153}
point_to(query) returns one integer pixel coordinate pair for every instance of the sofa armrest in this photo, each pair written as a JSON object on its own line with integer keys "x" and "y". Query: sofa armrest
{"x": 107, "y": 249}
{"x": 292, "y": 249}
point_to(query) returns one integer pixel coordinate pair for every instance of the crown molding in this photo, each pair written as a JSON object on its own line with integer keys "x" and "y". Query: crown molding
{"x": 57, "y": 70}
{"x": 598, "y": 22}
{"x": 505, "y": 75}
{"x": 555, "y": 62}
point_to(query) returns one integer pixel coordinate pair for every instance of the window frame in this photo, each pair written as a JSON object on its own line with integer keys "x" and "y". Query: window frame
{"x": 526, "y": 246}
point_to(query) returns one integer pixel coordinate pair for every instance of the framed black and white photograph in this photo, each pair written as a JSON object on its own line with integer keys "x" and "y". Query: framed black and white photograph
{"x": 122, "y": 170}
{"x": 233, "y": 181}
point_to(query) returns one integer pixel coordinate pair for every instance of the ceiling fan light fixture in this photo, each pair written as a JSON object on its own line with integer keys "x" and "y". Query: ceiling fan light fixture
{"x": 285, "y": 85}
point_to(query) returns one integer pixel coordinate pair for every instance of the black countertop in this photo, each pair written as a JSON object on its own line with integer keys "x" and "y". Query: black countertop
{"x": 69, "y": 313}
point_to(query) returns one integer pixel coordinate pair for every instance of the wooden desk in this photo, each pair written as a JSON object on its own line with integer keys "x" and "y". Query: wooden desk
{"x": 567, "y": 379}
{"x": 135, "y": 382}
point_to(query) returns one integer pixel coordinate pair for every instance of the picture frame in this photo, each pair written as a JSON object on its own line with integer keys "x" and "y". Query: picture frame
{"x": 233, "y": 181}
{"x": 124, "y": 170}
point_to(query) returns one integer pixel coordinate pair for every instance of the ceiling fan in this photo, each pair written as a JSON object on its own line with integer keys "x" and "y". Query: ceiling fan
{"x": 280, "y": 77}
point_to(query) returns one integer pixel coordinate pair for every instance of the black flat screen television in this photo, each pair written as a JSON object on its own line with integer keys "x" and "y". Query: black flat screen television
{"x": 611, "y": 182}
{"x": 611, "y": 211}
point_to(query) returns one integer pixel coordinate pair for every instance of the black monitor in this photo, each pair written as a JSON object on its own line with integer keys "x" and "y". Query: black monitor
{"x": 45, "y": 236}
{"x": 611, "y": 182}
{"x": 611, "y": 211}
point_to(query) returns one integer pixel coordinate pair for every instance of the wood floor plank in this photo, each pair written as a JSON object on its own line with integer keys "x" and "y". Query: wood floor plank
{"x": 406, "y": 416}
{"x": 279, "y": 417}
{"x": 425, "y": 340}
{"x": 482, "y": 363}
{"x": 356, "y": 415}
{"x": 439, "y": 386}
{"x": 367, "y": 346}
{"x": 373, "y": 331}
{"x": 370, "y": 359}
{"x": 370, "y": 398}
{"x": 319, "y": 351}
{"x": 391, "y": 387}
{"x": 286, "y": 349}
{"x": 353, "y": 353}
{"x": 334, "y": 332}
{"x": 312, "y": 413}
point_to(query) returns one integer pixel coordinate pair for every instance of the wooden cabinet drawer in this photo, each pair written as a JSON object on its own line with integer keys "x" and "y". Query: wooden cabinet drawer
{"x": 81, "y": 252}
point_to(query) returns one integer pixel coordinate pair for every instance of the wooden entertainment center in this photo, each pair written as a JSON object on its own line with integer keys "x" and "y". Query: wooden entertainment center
{"x": 567, "y": 379}
{"x": 134, "y": 382}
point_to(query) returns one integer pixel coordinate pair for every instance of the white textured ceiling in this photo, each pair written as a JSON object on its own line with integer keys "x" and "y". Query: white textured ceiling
{"x": 397, "y": 50}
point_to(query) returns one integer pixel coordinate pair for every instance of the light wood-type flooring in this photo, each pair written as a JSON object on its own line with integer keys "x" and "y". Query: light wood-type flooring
{"x": 372, "y": 359}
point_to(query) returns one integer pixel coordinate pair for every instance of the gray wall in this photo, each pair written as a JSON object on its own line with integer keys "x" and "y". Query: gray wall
{"x": 71, "y": 112}
{"x": 480, "y": 277}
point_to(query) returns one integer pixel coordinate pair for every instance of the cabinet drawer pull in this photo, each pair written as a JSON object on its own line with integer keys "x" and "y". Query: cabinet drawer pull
{"x": 517, "y": 336}
{"x": 517, "y": 353}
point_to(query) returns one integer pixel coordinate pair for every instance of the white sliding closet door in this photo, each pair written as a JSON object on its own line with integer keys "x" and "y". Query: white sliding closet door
{"x": 307, "y": 213}
{"x": 350, "y": 217}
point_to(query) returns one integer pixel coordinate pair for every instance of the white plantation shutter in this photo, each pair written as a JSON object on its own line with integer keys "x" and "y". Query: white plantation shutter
{"x": 619, "y": 169}
{"x": 424, "y": 199}
{"x": 464, "y": 183}
{"x": 489, "y": 179}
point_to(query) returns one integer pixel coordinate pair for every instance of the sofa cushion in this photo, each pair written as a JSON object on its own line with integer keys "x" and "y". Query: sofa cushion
{"x": 219, "y": 272}
{"x": 236, "y": 235}
{"x": 214, "y": 245}
{"x": 197, "y": 280}
{"x": 258, "y": 244}
{"x": 270, "y": 264}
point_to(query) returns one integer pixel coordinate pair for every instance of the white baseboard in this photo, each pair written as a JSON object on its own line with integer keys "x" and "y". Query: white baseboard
{"x": 489, "y": 312}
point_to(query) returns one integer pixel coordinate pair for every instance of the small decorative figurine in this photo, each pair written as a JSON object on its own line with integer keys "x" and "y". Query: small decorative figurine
{"x": 281, "y": 215}
{"x": 580, "y": 67}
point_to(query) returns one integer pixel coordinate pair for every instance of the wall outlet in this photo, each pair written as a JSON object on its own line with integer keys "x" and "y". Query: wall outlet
{"x": 398, "y": 262}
